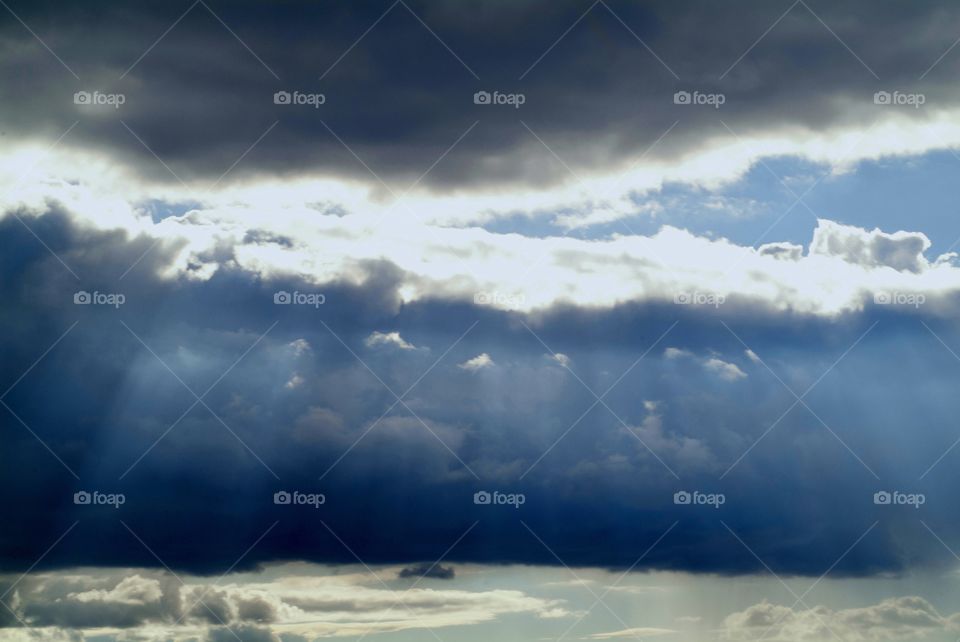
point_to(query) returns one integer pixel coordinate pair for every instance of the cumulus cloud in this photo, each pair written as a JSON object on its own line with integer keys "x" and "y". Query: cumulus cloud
{"x": 321, "y": 603}
{"x": 562, "y": 359}
{"x": 781, "y": 250}
{"x": 77, "y": 602}
{"x": 392, "y": 339}
{"x": 686, "y": 451}
{"x": 901, "y": 618}
{"x": 478, "y": 362}
{"x": 722, "y": 369}
{"x": 844, "y": 265}
{"x": 902, "y": 251}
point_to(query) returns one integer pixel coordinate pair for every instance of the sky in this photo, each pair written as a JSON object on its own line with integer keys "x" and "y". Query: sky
{"x": 539, "y": 320}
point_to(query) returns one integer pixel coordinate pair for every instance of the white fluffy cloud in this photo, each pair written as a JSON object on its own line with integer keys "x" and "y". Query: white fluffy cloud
{"x": 273, "y": 229}
{"x": 479, "y": 362}
{"x": 392, "y": 339}
{"x": 902, "y": 251}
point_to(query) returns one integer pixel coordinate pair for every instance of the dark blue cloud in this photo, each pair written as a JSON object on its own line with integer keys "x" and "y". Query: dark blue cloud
{"x": 289, "y": 414}
{"x": 402, "y": 94}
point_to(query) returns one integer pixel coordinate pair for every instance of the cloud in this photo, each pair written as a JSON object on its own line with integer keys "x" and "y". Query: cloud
{"x": 689, "y": 619}
{"x": 902, "y": 251}
{"x": 244, "y": 633}
{"x": 478, "y": 362}
{"x": 433, "y": 571}
{"x": 898, "y": 618}
{"x": 294, "y": 382}
{"x": 722, "y": 369}
{"x": 781, "y": 250}
{"x": 662, "y": 414}
{"x": 561, "y": 358}
{"x": 199, "y": 140}
{"x": 845, "y": 266}
{"x": 334, "y": 604}
{"x": 392, "y": 339}
{"x": 632, "y": 633}
{"x": 74, "y": 603}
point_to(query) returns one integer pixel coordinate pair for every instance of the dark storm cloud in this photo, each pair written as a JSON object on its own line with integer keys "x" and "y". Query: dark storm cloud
{"x": 299, "y": 400}
{"x": 433, "y": 571}
{"x": 400, "y": 99}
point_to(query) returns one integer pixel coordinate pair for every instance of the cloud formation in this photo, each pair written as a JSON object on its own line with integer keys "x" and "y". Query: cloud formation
{"x": 303, "y": 601}
{"x": 902, "y": 618}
